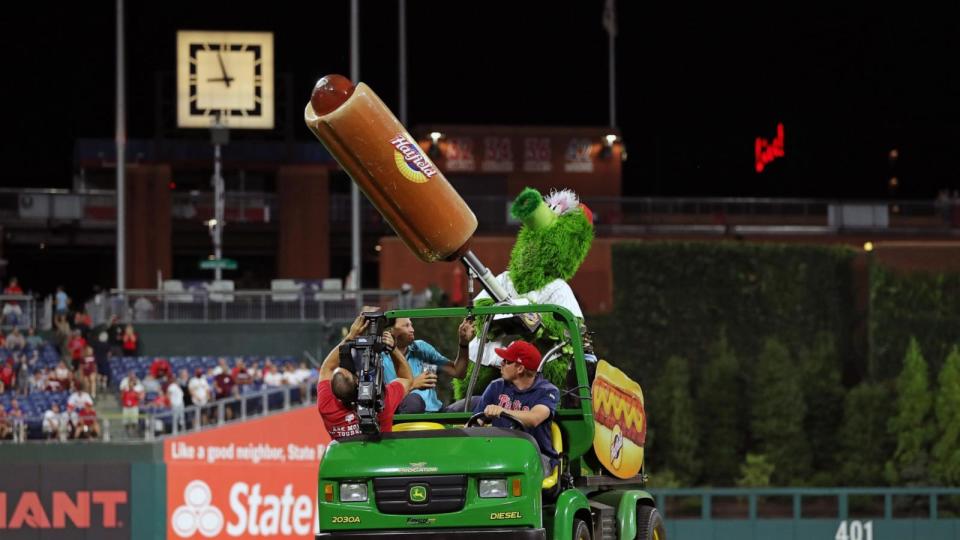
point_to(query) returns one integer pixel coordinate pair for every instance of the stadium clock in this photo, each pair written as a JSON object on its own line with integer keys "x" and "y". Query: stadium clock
{"x": 229, "y": 74}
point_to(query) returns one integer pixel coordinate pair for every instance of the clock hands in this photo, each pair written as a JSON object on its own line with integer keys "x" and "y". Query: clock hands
{"x": 223, "y": 69}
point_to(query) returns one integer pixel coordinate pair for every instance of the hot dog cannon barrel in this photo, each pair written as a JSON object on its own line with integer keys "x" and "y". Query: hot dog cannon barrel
{"x": 395, "y": 174}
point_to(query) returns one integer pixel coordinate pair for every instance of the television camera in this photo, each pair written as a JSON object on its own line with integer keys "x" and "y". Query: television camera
{"x": 362, "y": 357}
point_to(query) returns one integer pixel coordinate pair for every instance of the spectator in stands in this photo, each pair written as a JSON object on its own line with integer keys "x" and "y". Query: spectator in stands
{"x": 86, "y": 425}
{"x": 54, "y": 422}
{"x": 11, "y": 309}
{"x": 15, "y": 414}
{"x": 131, "y": 344}
{"x": 33, "y": 340}
{"x": 23, "y": 376}
{"x": 183, "y": 380}
{"x": 38, "y": 383}
{"x": 62, "y": 378}
{"x": 101, "y": 355}
{"x": 175, "y": 398}
{"x": 77, "y": 345}
{"x": 160, "y": 368}
{"x": 291, "y": 378}
{"x": 151, "y": 384}
{"x": 200, "y": 392}
{"x": 62, "y": 335}
{"x": 7, "y": 376}
{"x": 337, "y": 389}
{"x": 241, "y": 376}
{"x": 129, "y": 379}
{"x": 62, "y": 302}
{"x": 89, "y": 371}
{"x": 80, "y": 398}
{"x": 272, "y": 377}
{"x": 223, "y": 385}
{"x": 15, "y": 340}
{"x": 70, "y": 414}
{"x": 422, "y": 356}
{"x": 159, "y": 404}
{"x": 131, "y": 395}
{"x": 306, "y": 373}
{"x": 5, "y": 430}
{"x": 83, "y": 322}
{"x": 222, "y": 366}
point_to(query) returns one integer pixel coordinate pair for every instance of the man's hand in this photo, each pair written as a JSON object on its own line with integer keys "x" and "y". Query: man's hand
{"x": 359, "y": 325}
{"x": 425, "y": 380}
{"x": 388, "y": 341}
{"x": 466, "y": 332}
{"x": 493, "y": 411}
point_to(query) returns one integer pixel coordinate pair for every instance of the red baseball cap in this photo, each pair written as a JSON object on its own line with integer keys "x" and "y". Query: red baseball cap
{"x": 521, "y": 352}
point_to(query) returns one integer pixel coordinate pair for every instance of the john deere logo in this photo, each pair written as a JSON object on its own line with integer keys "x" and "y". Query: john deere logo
{"x": 418, "y": 494}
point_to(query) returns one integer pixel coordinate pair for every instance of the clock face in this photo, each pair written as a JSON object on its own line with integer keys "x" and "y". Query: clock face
{"x": 225, "y": 74}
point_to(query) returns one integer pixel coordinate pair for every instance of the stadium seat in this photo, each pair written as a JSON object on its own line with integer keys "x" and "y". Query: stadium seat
{"x": 330, "y": 290}
{"x": 174, "y": 291}
{"x": 221, "y": 290}
{"x": 285, "y": 290}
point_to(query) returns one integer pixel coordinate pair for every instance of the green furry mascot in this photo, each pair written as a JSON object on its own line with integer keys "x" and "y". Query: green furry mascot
{"x": 555, "y": 237}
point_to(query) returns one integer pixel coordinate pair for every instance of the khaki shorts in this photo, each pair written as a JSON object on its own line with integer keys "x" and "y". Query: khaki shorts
{"x": 131, "y": 415}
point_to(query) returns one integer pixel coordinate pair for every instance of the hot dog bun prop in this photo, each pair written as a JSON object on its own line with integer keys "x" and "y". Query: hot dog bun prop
{"x": 395, "y": 174}
{"x": 620, "y": 421}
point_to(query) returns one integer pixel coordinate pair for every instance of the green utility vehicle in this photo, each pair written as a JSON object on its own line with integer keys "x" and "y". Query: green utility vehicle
{"x": 434, "y": 478}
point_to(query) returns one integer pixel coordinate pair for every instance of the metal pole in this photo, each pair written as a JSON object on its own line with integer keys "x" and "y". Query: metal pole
{"x": 354, "y": 190}
{"x": 402, "y": 38}
{"x": 610, "y": 22}
{"x": 613, "y": 81}
{"x": 217, "y": 229}
{"x": 121, "y": 141}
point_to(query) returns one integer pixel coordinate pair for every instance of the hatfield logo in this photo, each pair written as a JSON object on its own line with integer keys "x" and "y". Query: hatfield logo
{"x": 197, "y": 514}
{"x": 29, "y": 511}
{"x": 411, "y": 161}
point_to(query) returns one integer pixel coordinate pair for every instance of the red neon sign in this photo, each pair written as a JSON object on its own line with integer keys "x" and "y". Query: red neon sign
{"x": 765, "y": 151}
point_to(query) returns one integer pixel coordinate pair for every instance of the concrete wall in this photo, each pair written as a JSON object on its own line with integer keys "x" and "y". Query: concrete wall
{"x": 237, "y": 338}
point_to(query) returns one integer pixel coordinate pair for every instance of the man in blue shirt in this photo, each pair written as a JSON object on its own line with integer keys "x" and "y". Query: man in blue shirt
{"x": 524, "y": 394}
{"x": 424, "y": 361}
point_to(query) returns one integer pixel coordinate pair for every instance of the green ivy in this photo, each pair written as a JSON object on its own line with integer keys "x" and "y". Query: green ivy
{"x": 921, "y": 305}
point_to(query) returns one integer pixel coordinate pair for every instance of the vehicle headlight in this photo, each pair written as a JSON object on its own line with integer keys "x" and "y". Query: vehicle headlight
{"x": 493, "y": 488}
{"x": 353, "y": 492}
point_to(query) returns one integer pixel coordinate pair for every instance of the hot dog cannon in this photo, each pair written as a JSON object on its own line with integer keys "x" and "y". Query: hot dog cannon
{"x": 395, "y": 174}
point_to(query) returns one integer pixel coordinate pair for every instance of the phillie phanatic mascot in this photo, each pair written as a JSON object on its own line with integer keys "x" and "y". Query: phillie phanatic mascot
{"x": 556, "y": 235}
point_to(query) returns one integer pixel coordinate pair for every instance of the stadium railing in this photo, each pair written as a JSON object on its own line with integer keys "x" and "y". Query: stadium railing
{"x": 205, "y": 305}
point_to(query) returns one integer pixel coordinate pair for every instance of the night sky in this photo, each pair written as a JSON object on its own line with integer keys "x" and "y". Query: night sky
{"x": 694, "y": 86}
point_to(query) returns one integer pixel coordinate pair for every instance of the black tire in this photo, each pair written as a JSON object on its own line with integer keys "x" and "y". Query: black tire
{"x": 650, "y": 524}
{"x": 581, "y": 531}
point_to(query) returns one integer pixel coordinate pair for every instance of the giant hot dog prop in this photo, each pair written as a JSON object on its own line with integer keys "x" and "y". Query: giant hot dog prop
{"x": 620, "y": 421}
{"x": 395, "y": 174}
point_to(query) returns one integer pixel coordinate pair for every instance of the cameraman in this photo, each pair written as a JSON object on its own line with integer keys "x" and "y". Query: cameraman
{"x": 337, "y": 389}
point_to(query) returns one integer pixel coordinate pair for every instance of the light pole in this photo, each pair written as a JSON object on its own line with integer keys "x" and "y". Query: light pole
{"x": 219, "y": 135}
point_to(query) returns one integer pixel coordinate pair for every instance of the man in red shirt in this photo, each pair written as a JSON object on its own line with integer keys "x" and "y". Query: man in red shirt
{"x": 338, "y": 386}
{"x": 7, "y": 376}
{"x": 87, "y": 426}
{"x": 76, "y": 346}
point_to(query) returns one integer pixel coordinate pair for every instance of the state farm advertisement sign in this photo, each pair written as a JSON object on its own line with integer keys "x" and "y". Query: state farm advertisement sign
{"x": 247, "y": 480}
{"x": 60, "y": 500}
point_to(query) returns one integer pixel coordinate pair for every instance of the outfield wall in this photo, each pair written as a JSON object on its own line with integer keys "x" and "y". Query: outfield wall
{"x": 242, "y": 481}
